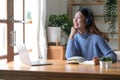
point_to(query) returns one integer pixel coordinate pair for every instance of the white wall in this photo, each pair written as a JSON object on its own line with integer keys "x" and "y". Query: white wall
{"x": 56, "y": 7}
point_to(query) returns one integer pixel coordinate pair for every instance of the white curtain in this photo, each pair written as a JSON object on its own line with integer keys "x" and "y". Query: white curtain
{"x": 39, "y": 19}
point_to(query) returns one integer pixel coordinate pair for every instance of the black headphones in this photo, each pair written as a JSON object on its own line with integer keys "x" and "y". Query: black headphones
{"x": 89, "y": 17}
{"x": 88, "y": 14}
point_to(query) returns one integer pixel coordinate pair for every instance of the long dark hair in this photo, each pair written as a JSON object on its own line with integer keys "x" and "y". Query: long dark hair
{"x": 90, "y": 23}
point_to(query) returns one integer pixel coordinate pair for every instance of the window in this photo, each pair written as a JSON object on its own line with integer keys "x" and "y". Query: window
{"x": 15, "y": 26}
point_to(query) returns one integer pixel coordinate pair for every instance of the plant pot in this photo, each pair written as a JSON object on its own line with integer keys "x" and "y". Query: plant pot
{"x": 108, "y": 64}
{"x": 54, "y": 34}
{"x": 102, "y": 64}
{"x": 105, "y": 64}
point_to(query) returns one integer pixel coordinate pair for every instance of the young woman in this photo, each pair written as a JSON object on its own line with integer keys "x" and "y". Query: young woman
{"x": 86, "y": 40}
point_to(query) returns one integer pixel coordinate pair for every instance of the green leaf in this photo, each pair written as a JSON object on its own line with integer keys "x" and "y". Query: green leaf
{"x": 62, "y": 21}
{"x": 110, "y": 14}
{"x": 108, "y": 59}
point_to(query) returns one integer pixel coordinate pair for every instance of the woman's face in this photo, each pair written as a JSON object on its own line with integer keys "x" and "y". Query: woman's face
{"x": 79, "y": 21}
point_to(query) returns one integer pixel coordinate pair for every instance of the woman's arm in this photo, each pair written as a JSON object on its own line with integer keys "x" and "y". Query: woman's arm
{"x": 106, "y": 50}
{"x": 70, "y": 49}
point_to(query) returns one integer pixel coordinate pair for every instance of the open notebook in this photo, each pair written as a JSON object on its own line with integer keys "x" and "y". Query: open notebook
{"x": 79, "y": 60}
{"x": 24, "y": 57}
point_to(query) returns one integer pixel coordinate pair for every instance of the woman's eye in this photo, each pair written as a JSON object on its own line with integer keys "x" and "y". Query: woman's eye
{"x": 76, "y": 17}
{"x": 79, "y": 17}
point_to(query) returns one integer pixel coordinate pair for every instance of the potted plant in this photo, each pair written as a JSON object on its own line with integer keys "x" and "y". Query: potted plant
{"x": 105, "y": 62}
{"x": 60, "y": 22}
{"x": 54, "y": 29}
{"x": 110, "y": 15}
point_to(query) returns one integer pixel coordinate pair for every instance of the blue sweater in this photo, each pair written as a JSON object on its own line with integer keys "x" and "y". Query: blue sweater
{"x": 89, "y": 46}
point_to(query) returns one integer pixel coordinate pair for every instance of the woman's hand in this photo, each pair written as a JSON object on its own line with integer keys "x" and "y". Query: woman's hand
{"x": 72, "y": 33}
{"x": 96, "y": 60}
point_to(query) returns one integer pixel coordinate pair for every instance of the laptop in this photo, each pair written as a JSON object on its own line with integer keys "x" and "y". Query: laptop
{"x": 24, "y": 57}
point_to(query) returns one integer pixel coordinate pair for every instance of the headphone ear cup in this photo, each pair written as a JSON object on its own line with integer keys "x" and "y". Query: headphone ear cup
{"x": 88, "y": 21}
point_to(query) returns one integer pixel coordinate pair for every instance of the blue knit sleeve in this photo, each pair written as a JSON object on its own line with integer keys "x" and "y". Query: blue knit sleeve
{"x": 105, "y": 49}
{"x": 70, "y": 49}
